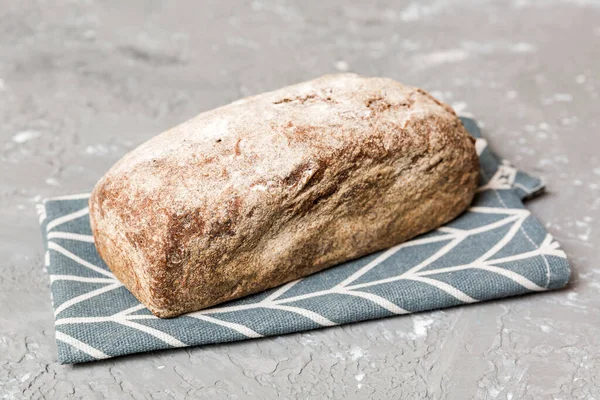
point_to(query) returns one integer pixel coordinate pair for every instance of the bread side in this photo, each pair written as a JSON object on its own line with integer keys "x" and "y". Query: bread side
{"x": 278, "y": 186}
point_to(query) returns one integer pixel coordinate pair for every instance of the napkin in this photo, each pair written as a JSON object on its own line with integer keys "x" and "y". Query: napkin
{"x": 495, "y": 249}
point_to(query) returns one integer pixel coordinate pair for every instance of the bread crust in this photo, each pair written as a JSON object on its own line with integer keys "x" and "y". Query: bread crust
{"x": 278, "y": 186}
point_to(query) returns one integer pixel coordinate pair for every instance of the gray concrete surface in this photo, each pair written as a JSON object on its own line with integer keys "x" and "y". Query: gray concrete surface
{"x": 83, "y": 82}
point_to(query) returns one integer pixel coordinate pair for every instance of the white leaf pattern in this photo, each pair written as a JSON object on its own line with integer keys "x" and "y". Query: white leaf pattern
{"x": 412, "y": 276}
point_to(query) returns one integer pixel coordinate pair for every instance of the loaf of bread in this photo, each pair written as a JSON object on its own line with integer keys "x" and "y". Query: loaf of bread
{"x": 278, "y": 186}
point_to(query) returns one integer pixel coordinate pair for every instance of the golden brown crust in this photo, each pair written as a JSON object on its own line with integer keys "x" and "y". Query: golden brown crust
{"x": 278, "y": 186}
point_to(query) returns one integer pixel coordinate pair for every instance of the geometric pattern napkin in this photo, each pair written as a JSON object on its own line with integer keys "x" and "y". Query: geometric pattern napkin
{"x": 495, "y": 249}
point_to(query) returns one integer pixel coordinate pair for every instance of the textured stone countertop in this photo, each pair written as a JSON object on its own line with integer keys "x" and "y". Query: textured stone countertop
{"x": 83, "y": 82}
